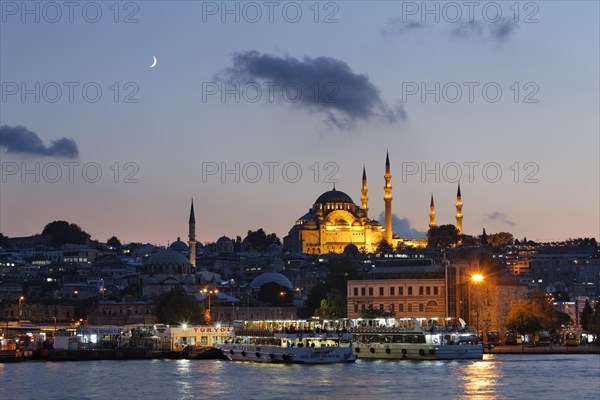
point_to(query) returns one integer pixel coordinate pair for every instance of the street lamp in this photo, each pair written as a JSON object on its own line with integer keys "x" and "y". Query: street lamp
{"x": 209, "y": 292}
{"x": 21, "y": 298}
{"x": 282, "y": 294}
{"x": 477, "y": 279}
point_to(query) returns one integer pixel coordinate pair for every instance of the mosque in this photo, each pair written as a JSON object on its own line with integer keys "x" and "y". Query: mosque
{"x": 335, "y": 223}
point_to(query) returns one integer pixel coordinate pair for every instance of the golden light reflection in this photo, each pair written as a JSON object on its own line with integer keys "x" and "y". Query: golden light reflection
{"x": 480, "y": 380}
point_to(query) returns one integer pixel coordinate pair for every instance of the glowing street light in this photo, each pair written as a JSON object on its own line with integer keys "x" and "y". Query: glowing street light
{"x": 209, "y": 292}
{"x": 282, "y": 294}
{"x": 21, "y": 298}
{"x": 477, "y": 279}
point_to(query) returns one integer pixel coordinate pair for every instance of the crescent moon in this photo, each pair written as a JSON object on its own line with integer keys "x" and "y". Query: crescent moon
{"x": 153, "y": 62}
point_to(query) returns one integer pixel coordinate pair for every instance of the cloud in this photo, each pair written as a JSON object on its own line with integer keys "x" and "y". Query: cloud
{"x": 326, "y": 86}
{"x": 499, "y": 217}
{"x": 20, "y": 140}
{"x": 499, "y": 31}
{"x": 397, "y": 27}
{"x": 402, "y": 227}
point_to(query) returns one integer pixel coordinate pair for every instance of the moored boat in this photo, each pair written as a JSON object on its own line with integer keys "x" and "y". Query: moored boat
{"x": 289, "y": 341}
{"x": 414, "y": 339}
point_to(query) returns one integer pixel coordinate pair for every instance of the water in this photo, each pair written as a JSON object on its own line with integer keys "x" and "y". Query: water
{"x": 496, "y": 377}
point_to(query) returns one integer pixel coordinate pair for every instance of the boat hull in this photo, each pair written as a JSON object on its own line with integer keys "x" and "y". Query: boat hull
{"x": 418, "y": 351}
{"x": 277, "y": 354}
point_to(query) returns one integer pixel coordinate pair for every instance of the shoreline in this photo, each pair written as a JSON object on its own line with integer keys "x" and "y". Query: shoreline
{"x": 552, "y": 349}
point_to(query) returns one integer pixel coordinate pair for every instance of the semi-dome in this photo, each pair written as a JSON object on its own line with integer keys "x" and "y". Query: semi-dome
{"x": 167, "y": 257}
{"x": 269, "y": 277}
{"x": 310, "y": 224}
{"x": 333, "y": 196}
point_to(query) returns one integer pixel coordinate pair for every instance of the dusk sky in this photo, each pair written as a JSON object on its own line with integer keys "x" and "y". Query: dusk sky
{"x": 483, "y": 91}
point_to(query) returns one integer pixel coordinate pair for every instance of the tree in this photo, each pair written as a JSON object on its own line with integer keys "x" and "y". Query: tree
{"x": 258, "y": 240}
{"x": 594, "y": 323}
{"x": 529, "y": 316}
{"x": 384, "y": 247}
{"x": 500, "y": 239}
{"x": 114, "y": 242}
{"x": 3, "y": 240}
{"x": 468, "y": 240}
{"x": 335, "y": 284}
{"x": 176, "y": 307}
{"x": 586, "y": 315}
{"x": 443, "y": 236}
{"x": 334, "y": 306}
{"x": 62, "y": 232}
{"x": 271, "y": 293}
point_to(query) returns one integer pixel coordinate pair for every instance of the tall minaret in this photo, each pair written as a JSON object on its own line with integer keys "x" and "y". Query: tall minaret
{"x": 387, "y": 198}
{"x": 459, "y": 215}
{"x": 432, "y": 223}
{"x": 364, "y": 190}
{"x": 192, "y": 236}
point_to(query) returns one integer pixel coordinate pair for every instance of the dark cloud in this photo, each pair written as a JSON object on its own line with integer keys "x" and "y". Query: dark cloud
{"x": 499, "y": 31}
{"x": 402, "y": 227}
{"x": 20, "y": 140}
{"x": 397, "y": 27}
{"x": 343, "y": 96}
{"x": 499, "y": 217}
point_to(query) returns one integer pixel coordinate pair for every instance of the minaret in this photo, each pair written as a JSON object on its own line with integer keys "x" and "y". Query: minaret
{"x": 192, "y": 236}
{"x": 364, "y": 190}
{"x": 459, "y": 215}
{"x": 432, "y": 223}
{"x": 387, "y": 198}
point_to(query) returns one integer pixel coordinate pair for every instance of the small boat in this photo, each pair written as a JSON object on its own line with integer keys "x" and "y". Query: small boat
{"x": 288, "y": 341}
{"x": 414, "y": 339}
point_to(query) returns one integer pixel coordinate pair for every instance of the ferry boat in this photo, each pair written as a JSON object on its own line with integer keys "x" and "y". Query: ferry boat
{"x": 414, "y": 339}
{"x": 289, "y": 341}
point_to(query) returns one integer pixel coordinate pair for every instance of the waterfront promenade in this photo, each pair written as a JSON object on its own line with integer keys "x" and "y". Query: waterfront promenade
{"x": 553, "y": 349}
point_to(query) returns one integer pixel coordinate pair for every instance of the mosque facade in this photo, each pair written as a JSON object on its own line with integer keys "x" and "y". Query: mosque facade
{"x": 335, "y": 222}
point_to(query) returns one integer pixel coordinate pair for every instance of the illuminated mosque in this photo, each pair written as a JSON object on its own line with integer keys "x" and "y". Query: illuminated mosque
{"x": 335, "y": 222}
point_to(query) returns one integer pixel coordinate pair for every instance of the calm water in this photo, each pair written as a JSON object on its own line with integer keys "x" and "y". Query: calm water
{"x": 496, "y": 377}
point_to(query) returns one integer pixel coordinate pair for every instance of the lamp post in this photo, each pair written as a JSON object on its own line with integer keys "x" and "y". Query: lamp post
{"x": 209, "y": 292}
{"x": 282, "y": 294}
{"x": 477, "y": 279}
{"x": 21, "y": 298}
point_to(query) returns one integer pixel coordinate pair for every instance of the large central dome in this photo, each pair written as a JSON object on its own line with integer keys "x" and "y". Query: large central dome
{"x": 333, "y": 196}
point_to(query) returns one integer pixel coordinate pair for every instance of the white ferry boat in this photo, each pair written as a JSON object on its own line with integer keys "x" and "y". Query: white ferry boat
{"x": 414, "y": 339}
{"x": 289, "y": 341}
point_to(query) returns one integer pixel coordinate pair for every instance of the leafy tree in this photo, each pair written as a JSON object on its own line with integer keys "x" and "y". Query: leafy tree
{"x": 62, "y": 232}
{"x": 529, "y": 316}
{"x": 258, "y": 241}
{"x": 334, "y": 288}
{"x": 586, "y": 315}
{"x": 176, "y": 307}
{"x": 3, "y": 240}
{"x": 468, "y": 240}
{"x": 500, "y": 239}
{"x": 334, "y": 306}
{"x": 384, "y": 247}
{"x": 443, "y": 236}
{"x": 114, "y": 242}
{"x": 594, "y": 324}
{"x": 271, "y": 293}
{"x": 316, "y": 295}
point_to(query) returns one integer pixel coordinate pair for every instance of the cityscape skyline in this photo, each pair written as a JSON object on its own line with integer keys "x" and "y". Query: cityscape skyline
{"x": 96, "y": 137}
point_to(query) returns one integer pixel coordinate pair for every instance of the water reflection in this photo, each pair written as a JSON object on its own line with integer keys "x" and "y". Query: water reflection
{"x": 480, "y": 379}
